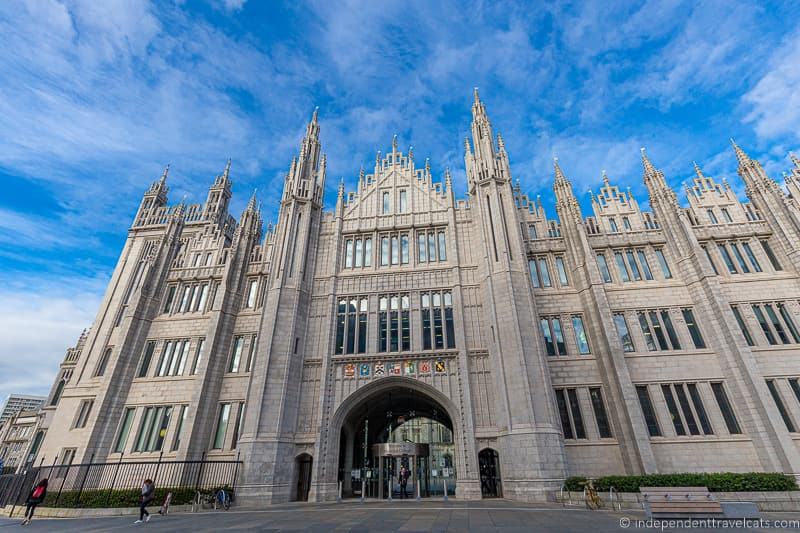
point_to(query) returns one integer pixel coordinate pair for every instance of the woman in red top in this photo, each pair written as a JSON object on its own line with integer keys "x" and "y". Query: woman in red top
{"x": 37, "y": 496}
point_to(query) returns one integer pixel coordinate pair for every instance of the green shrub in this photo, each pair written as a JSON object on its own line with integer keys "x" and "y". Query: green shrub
{"x": 716, "y": 482}
{"x": 575, "y": 483}
{"x": 104, "y": 498}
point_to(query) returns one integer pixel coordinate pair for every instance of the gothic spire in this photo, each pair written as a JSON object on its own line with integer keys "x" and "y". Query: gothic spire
{"x": 251, "y": 205}
{"x": 649, "y": 169}
{"x": 698, "y": 171}
{"x": 795, "y": 160}
{"x": 742, "y": 157}
{"x": 560, "y": 177}
{"x": 163, "y": 179}
{"x": 226, "y": 173}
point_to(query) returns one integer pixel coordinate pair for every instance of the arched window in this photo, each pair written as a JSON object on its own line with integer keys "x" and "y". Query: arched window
{"x": 57, "y": 393}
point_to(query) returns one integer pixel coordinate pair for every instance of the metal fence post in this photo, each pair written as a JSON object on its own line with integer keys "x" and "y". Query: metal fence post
{"x": 83, "y": 481}
{"x": 235, "y": 472}
{"x": 114, "y": 480}
{"x": 158, "y": 467}
{"x": 200, "y": 471}
{"x": 63, "y": 480}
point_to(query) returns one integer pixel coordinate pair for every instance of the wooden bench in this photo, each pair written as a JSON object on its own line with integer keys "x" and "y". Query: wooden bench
{"x": 678, "y": 502}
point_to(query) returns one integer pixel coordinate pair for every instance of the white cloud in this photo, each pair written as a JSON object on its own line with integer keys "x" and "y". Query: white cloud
{"x": 775, "y": 99}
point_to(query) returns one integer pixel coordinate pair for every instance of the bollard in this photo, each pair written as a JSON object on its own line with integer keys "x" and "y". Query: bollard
{"x": 391, "y": 487}
{"x": 339, "y": 495}
{"x": 444, "y": 482}
{"x": 418, "y": 495}
{"x": 363, "y": 489}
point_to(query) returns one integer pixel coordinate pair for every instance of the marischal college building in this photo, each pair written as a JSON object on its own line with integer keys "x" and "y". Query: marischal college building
{"x": 474, "y": 341}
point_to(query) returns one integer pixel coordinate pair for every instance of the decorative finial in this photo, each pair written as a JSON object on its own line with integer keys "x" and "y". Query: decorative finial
{"x": 165, "y": 174}
{"x": 649, "y": 169}
{"x": 411, "y": 152}
{"x": 501, "y": 145}
{"x": 740, "y": 155}
{"x": 394, "y": 143}
{"x": 559, "y": 174}
{"x": 698, "y": 171}
{"x": 227, "y": 171}
{"x": 315, "y": 115}
{"x": 475, "y": 94}
{"x": 427, "y": 164}
{"x": 466, "y": 145}
{"x": 447, "y": 177}
{"x": 605, "y": 177}
{"x": 251, "y": 205}
{"x": 794, "y": 159}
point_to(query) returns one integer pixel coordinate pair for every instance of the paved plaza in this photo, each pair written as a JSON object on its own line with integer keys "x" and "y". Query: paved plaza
{"x": 408, "y": 516}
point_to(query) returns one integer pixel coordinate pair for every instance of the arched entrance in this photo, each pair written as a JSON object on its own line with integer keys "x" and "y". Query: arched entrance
{"x": 302, "y": 468}
{"x": 398, "y": 437}
{"x": 489, "y": 464}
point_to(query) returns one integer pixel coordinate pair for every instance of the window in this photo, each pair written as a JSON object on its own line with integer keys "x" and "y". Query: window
{"x": 103, "y": 363}
{"x": 726, "y": 215}
{"x": 553, "y": 336}
{"x": 623, "y": 270}
{"x": 422, "y": 247}
{"x": 438, "y": 330}
{"x": 600, "y": 415}
{"x": 222, "y": 425}
{"x": 173, "y": 358}
{"x": 694, "y": 330}
{"x": 726, "y": 257}
{"x": 403, "y": 200}
{"x": 699, "y": 408}
{"x": 562, "y": 272}
{"x": 711, "y": 216}
{"x": 648, "y": 411}
{"x": 201, "y": 344}
{"x": 394, "y": 325}
{"x": 395, "y": 250}
{"x": 176, "y": 443}
{"x": 776, "y": 324}
{"x": 603, "y": 266}
{"x": 632, "y": 263}
{"x": 237, "y": 427}
{"x": 170, "y": 296}
{"x": 776, "y": 395}
{"x": 742, "y": 326}
{"x": 623, "y": 332}
{"x": 725, "y": 408}
{"x": 663, "y": 262}
{"x": 236, "y": 354}
{"x": 153, "y": 429}
{"x": 710, "y": 260}
{"x": 59, "y": 390}
{"x": 348, "y": 253}
{"x": 673, "y": 410}
{"x": 740, "y": 258}
{"x": 251, "y": 353}
{"x": 124, "y": 429}
{"x": 771, "y": 256}
{"x": 387, "y": 206}
{"x": 209, "y": 258}
{"x": 201, "y": 305}
{"x": 358, "y": 253}
{"x": 654, "y": 324}
{"x": 626, "y": 223}
{"x": 442, "y": 246}
{"x": 404, "y": 249}
{"x": 351, "y": 326}
{"x": 540, "y": 274}
{"x": 580, "y": 334}
{"x": 613, "y": 225}
{"x": 532, "y": 232}
{"x": 648, "y": 274}
{"x": 367, "y": 251}
{"x": 751, "y": 256}
{"x": 187, "y": 290}
{"x": 764, "y": 326}
{"x": 570, "y": 413}
{"x": 789, "y": 322}
{"x": 384, "y": 251}
{"x": 84, "y": 410}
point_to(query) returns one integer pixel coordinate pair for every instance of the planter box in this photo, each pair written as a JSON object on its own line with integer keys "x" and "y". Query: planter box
{"x": 766, "y": 501}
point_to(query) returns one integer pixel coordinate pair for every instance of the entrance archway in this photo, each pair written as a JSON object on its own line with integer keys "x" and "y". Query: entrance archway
{"x": 489, "y": 464}
{"x": 397, "y": 432}
{"x": 302, "y": 468}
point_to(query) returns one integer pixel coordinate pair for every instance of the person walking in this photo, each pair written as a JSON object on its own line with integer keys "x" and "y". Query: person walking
{"x": 403, "y": 481}
{"x": 37, "y": 496}
{"x": 148, "y": 493}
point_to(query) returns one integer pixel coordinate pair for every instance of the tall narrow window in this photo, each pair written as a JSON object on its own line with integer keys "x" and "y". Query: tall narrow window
{"x": 404, "y": 249}
{"x": 751, "y": 256}
{"x": 387, "y": 206}
{"x": 600, "y": 415}
{"x": 405, "y": 323}
{"x": 726, "y": 256}
{"x": 771, "y": 256}
{"x": 563, "y": 413}
{"x": 613, "y": 225}
{"x": 442, "y": 246}
{"x": 710, "y": 260}
{"x": 662, "y": 261}
{"x": 124, "y": 430}
{"x": 726, "y": 215}
{"x": 237, "y": 426}
{"x": 773, "y": 390}
{"x": 548, "y": 336}
{"x": 648, "y": 274}
{"x": 348, "y": 254}
{"x": 659, "y": 333}
{"x": 776, "y": 324}
{"x": 394, "y": 323}
{"x": 222, "y": 426}
{"x": 198, "y": 358}
{"x": 623, "y": 270}
{"x": 403, "y": 200}
{"x": 534, "y": 270}
{"x": 341, "y": 318}
{"x": 358, "y": 254}
{"x": 562, "y": 272}
{"x": 626, "y": 223}
{"x": 147, "y": 356}
{"x": 632, "y": 263}
{"x": 725, "y": 408}
{"x": 575, "y": 411}
{"x": 426, "y": 321}
{"x": 789, "y": 322}
{"x": 169, "y": 298}
{"x": 623, "y": 332}
{"x": 762, "y": 321}
{"x": 431, "y": 246}
{"x": 544, "y": 272}
{"x": 383, "y": 324}
{"x": 673, "y": 337}
{"x": 84, "y": 410}
{"x": 251, "y": 353}
{"x": 394, "y": 329}
{"x": 603, "y": 266}
{"x": 438, "y": 330}
{"x": 362, "y": 326}
{"x": 252, "y": 290}
{"x": 422, "y": 248}
{"x": 449, "y": 328}
{"x": 103, "y": 363}
{"x": 580, "y": 335}
{"x": 648, "y": 411}
{"x": 742, "y": 326}
{"x": 176, "y": 442}
{"x": 648, "y": 335}
{"x": 740, "y": 258}
{"x": 694, "y": 330}
{"x": 395, "y": 250}
{"x": 532, "y": 232}
{"x": 700, "y": 409}
{"x": 368, "y": 252}
{"x": 185, "y": 299}
{"x": 712, "y": 217}
{"x": 236, "y": 354}
{"x": 201, "y": 305}
{"x": 673, "y": 410}
{"x": 384, "y": 251}
{"x": 688, "y": 416}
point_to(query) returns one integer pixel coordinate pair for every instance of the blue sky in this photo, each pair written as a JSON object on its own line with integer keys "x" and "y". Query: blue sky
{"x": 96, "y": 97}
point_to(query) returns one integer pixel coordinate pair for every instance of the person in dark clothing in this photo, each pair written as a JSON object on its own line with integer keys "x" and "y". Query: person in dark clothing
{"x": 37, "y": 496}
{"x": 404, "y": 473}
{"x": 148, "y": 494}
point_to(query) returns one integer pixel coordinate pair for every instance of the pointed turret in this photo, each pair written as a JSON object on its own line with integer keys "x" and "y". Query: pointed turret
{"x": 795, "y": 160}
{"x": 657, "y": 185}
{"x": 155, "y": 196}
{"x": 742, "y": 157}
{"x": 566, "y": 204}
{"x": 219, "y": 196}
{"x": 697, "y": 171}
{"x": 306, "y": 177}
